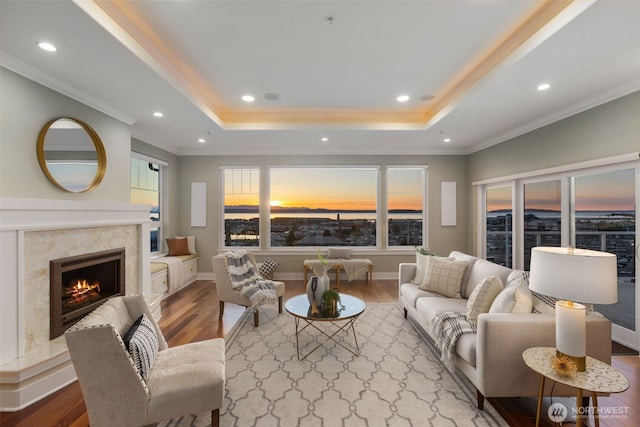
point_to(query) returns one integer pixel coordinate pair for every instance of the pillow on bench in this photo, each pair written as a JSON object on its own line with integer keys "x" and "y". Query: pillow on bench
{"x": 178, "y": 247}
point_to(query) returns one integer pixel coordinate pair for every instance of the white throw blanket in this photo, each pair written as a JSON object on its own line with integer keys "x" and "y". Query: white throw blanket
{"x": 446, "y": 328}
{"x": 174, "y": 268}
{"x": 245, "y": 278}
{"x": 355, "y": 268}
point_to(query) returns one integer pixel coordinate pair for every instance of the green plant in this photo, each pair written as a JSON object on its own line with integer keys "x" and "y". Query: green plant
{"x": 424, "y": 251}
{"x": 322, "y": 259}
{"x": 331, "y": 295}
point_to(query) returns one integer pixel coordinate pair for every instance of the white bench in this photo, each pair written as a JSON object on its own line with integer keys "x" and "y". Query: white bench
{"x": 160, "y": 277}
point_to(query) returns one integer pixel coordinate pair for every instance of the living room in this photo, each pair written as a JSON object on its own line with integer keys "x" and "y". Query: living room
{"x": 603, "y": 135}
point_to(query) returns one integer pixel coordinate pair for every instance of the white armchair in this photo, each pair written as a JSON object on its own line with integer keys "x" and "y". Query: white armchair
{"x": 183, "y": 380}
{"x": 225, "y": 290}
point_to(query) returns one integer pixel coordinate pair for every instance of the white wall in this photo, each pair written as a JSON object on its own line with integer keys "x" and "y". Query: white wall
{"x": 25, "y": 107}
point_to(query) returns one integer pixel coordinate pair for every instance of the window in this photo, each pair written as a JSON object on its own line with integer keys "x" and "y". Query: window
{"x": 323, "y": 206}
{"x": 542, "y": 216}
{"x": 591, "y": 207}
{"x": 405, "y": 198}
{"x": 146, "y": 189}
{"x": 241, "y": 207}
{"x": 499, "y": 225}
{"x": 605, "y": 220}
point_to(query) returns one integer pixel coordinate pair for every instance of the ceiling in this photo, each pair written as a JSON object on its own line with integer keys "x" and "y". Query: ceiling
{"x": 470, "y": 68}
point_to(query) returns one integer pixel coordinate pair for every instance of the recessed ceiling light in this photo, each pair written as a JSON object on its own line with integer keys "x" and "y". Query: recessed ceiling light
{"x": 544, "y": 86}
{"x": 324, "y": 139}
{"x": 447, "y": 140}
{"x": 271, "y": 96}
{"x": 248, "y": 98}
{"x": 47, "y": 46}
{"x": 201, "y": 141}
{"x": 158, "y": 114}
{"x": 402, "y": 98}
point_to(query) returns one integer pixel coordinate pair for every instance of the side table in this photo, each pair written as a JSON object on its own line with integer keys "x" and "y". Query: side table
{"x": 598, "y": 377}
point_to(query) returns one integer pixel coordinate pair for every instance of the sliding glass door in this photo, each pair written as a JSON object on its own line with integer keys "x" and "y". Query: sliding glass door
{"x": 604, "y": 219}
{"x": 589, "y": 207}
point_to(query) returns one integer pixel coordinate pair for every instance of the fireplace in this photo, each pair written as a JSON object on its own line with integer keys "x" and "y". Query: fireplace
{"x": 80, "y": 283}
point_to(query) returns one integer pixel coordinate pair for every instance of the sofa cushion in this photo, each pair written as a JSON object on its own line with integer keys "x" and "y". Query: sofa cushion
{"x": 444, "y": 276}
{"x": 466, "y": 348}
{"x": 471, "y": 260}
{"x": 514, "y": 298}
{"x": 142, "y": 343}
{"x": 421, "y": 266}
{"x": 429, "y": 307}
{"x": 482, "y": 297}
{"x": 483, "y": 268}
{"x": 411, "y": 292}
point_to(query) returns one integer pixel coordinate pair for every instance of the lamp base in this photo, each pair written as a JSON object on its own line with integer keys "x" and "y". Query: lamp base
{"x": 580, "y": 361}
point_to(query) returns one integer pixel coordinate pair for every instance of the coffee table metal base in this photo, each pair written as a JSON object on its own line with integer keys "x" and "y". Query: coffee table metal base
{"x": 348, "y": 324}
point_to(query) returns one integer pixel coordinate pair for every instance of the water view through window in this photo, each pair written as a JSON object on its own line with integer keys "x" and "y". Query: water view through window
{"x": 323, "y": 206}
{"x": 603, "y": 218}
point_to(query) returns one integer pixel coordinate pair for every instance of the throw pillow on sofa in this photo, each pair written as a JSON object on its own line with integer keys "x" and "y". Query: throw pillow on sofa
{"x": 421, "y": 267}
{"x": 514, "y": 298}
{"x": 444, "y": 276}
{"x": 483, "y": 296}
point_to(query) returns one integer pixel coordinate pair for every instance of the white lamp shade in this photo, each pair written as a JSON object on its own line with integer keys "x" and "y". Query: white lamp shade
{"x": 574, "y": 274}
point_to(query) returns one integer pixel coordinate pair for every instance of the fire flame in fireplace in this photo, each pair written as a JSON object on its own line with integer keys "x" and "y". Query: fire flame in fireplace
{"x": 80, "y": 292}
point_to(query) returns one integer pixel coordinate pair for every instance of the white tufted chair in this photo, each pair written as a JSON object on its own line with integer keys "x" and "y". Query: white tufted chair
{"x": 186, "y": 379}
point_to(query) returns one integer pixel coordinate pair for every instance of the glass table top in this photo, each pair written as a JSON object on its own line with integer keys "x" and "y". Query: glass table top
{"x": 348, "y": 307}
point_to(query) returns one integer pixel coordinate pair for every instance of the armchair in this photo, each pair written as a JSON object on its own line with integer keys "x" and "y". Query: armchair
{"x": 225, "y": 290}
{"x": 183, "y": 380}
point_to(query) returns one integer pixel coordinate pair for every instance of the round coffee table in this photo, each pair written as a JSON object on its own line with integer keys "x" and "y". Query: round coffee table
{"x": 351, "y": 309}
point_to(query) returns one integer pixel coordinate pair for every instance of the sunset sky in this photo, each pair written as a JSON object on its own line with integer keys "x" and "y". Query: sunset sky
{"x": 348, "y": 189}
{"x": 609, "y": 191}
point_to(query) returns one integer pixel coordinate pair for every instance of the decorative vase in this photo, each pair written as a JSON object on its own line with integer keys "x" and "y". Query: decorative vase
{"x": 316, "y": 286}
{"x": 324, "y": 284}
{"x": 313, "y": 294}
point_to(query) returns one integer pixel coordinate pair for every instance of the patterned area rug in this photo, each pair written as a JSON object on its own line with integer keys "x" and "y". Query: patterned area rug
{"x": 396, "y": 381}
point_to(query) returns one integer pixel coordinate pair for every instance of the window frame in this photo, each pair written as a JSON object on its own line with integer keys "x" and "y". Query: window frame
{"x": 163, "y": 224}
{"x": 264, "y": 213}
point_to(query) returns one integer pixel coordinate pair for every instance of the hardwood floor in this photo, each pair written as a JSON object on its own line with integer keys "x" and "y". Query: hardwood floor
{"x": 192, "y": 315}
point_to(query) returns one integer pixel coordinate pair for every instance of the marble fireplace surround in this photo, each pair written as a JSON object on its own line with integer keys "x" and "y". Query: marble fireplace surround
{"x": 33, "y": 232}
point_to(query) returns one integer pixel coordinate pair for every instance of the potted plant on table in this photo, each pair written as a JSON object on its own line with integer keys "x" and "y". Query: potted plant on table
{"x": 330, "y": 302}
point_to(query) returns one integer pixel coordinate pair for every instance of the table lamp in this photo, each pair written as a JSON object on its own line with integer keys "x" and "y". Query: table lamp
{"x": 573, "y": 275}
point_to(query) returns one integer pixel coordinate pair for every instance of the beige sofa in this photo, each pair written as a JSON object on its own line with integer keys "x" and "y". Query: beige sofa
{"x": 492, "y": 358}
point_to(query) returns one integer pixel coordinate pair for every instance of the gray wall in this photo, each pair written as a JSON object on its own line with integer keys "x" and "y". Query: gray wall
{"x": 607, "y": 130}
{"x": 207, "y": 169}
{"x": 25, "y": 107}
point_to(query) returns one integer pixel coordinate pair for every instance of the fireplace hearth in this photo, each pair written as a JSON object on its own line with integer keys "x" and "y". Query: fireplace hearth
{"x": 80, "y": 283}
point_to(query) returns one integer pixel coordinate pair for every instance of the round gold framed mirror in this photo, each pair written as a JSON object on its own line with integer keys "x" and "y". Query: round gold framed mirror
{"x": 71, "y": 155}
